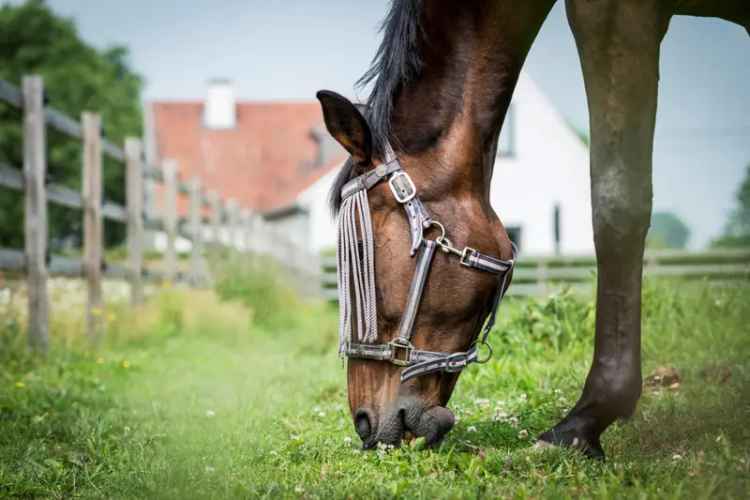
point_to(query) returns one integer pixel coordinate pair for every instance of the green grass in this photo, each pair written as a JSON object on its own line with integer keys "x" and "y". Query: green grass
{"x": 193, "y": 397}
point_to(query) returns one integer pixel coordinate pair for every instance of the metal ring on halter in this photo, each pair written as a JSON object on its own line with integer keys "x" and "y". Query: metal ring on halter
{"x": 438, "y": 225}
{"x": 442, "y": 241}
{"x": 489, "y": 353}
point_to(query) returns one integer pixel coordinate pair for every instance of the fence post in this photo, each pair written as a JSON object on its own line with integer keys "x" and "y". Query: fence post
{"x": 92, "y": 221}
{"x": 35, "y": 211}
{"x": 196, "y": 234}
{"x": 233, "y": 210}
{"x": 134, "y": 184}
{"x": 541, "y": 277}
{"x": 170, "y": 218}
{"x": 245, "y": 218}
{"x": 215, "y": 202}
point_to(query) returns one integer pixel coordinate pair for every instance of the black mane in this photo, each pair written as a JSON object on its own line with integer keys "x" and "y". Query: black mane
{"x": 397, "y": 62}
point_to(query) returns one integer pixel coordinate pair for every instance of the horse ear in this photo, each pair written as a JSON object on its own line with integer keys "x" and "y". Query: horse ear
{"x": 347, "y": 125}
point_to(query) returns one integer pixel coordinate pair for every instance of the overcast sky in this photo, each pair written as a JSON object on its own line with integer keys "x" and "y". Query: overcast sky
{"x": 288, "y": 49}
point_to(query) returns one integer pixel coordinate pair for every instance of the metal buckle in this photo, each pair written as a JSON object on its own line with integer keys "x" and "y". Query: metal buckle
{"x": 467, "y": 252}
{"x": 407, "y": 349}
{"x": 456, "y": 362}
{"x": 402, "y": 187}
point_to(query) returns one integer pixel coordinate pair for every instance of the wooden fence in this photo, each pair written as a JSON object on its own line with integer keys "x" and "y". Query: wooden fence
{"x": 540, "y": 275}
{"x": 210, "y": 218}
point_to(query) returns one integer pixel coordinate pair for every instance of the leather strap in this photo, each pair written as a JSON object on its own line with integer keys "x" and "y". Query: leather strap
{"x": 416, "y": 289}
{"x": 370, "y": 179}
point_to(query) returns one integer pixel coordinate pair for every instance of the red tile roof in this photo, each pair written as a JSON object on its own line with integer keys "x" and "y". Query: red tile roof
{"x": 264, "y": 162}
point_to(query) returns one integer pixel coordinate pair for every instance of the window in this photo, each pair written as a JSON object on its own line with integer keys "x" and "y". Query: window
{"x": 506, "y": 146}
{"x": 514, "y": 233}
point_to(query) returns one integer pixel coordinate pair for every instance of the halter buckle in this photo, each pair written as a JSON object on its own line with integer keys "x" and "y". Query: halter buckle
{"x": 402, "y": 187}
{"x": 465, "y": 255}
{"x": 407, "y": 348}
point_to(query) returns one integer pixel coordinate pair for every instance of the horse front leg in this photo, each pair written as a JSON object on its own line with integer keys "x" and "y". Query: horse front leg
{"x": 618, "y": 42}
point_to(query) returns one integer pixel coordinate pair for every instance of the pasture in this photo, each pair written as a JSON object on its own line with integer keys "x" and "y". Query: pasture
{"x": 238, "y": 393}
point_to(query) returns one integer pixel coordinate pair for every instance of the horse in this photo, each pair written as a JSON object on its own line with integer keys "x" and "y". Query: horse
{"x": 442, "y": 80}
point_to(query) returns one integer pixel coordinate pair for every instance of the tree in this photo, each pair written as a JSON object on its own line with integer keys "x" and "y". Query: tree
{"x": 667, "y": 231}
{"x": 77, "y": 77}
{"x": 737, "y": 231}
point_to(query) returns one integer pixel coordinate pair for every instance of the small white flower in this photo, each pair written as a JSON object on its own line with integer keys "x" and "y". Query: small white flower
{"x": 523, "y": 434}
{"x": 500, "y": 416}
{"x": 513, "y": 421}
{"x": 210, "y": 413}
{"x": 676, "y": 456}
{"x": 471, "y": 428}
{"x": 523, "y": 396}
{"x": 299, "y": 489}
{"x": 321, "y": 414}
{"x": 347, "y": 440}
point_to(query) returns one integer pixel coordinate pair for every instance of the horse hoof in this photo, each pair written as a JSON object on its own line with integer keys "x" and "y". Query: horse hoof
{"x": 571, "y": 437}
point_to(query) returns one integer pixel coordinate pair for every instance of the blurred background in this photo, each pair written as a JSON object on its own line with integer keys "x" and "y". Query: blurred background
{"x": 187, "y": 364}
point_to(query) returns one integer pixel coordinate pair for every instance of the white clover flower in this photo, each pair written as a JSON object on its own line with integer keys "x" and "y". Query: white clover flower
{"x": 500, "y": 415}
{"x": 347, "y": 440}
{"x": 471, "y": 428}
{"x": 523, "y": 434}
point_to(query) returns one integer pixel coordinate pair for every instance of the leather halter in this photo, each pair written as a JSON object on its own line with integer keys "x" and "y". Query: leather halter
{"x": 400, "y": 350}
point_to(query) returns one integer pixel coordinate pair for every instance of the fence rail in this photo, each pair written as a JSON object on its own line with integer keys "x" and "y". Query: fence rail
{"x": 538, "y": 275}
{"x": 226, "y": 223}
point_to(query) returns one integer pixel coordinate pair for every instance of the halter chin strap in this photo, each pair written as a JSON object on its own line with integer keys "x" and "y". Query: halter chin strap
{"x": 400, "y": 350}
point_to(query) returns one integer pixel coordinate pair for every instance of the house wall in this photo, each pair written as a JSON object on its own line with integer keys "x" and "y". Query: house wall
{"x": 321, "y": 230}
{"x": 549, "y": 166}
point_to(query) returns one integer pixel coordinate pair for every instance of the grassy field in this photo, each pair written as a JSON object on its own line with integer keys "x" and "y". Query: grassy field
{"x": 203, "y": 395}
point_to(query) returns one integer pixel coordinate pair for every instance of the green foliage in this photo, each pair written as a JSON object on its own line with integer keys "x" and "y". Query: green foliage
{"x": 550, "y": 323}
{"x": 737, "y": 230}
{"x": 220, "y": 410}
{"x": 667, "y": 231}
{"x": 77, "y": 77}
{"x": 258, "y": 283}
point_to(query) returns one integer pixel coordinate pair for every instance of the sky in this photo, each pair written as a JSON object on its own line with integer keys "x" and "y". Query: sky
{"x": 289, "y": 49}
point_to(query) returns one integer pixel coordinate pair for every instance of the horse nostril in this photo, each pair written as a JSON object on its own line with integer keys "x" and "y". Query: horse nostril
{"x": 362, "y": 424}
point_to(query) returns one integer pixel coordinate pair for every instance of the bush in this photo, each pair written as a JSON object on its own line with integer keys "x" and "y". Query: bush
{"x": 554, "y": 321}
{"x": 258, "y": 283}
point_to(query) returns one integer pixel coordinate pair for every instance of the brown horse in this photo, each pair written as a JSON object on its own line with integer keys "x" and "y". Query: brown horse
{"x": 443, "y": 79}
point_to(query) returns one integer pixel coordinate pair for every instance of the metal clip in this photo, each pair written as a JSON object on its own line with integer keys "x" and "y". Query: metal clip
{"x": 402, "y": 187}
{"x": 465, "y": 255}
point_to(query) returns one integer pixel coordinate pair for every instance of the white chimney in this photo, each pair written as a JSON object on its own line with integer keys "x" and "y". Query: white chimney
{"x": 219, "y": 111}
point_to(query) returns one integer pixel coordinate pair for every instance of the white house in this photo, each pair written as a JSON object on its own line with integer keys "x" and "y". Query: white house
{"x": 541, "y": 174}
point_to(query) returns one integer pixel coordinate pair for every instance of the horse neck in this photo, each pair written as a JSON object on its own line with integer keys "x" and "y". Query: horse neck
{"x": 472, "y": 55}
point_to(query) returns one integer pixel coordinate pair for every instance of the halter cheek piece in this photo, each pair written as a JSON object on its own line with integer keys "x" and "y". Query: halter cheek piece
{"x": 356, "y": 277}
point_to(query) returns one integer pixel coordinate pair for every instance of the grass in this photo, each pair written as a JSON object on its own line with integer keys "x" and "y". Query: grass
{"x": 197, "y": 395}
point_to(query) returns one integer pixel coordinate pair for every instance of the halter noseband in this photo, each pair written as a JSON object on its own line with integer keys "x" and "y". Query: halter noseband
{"x": 355, "y": 261}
